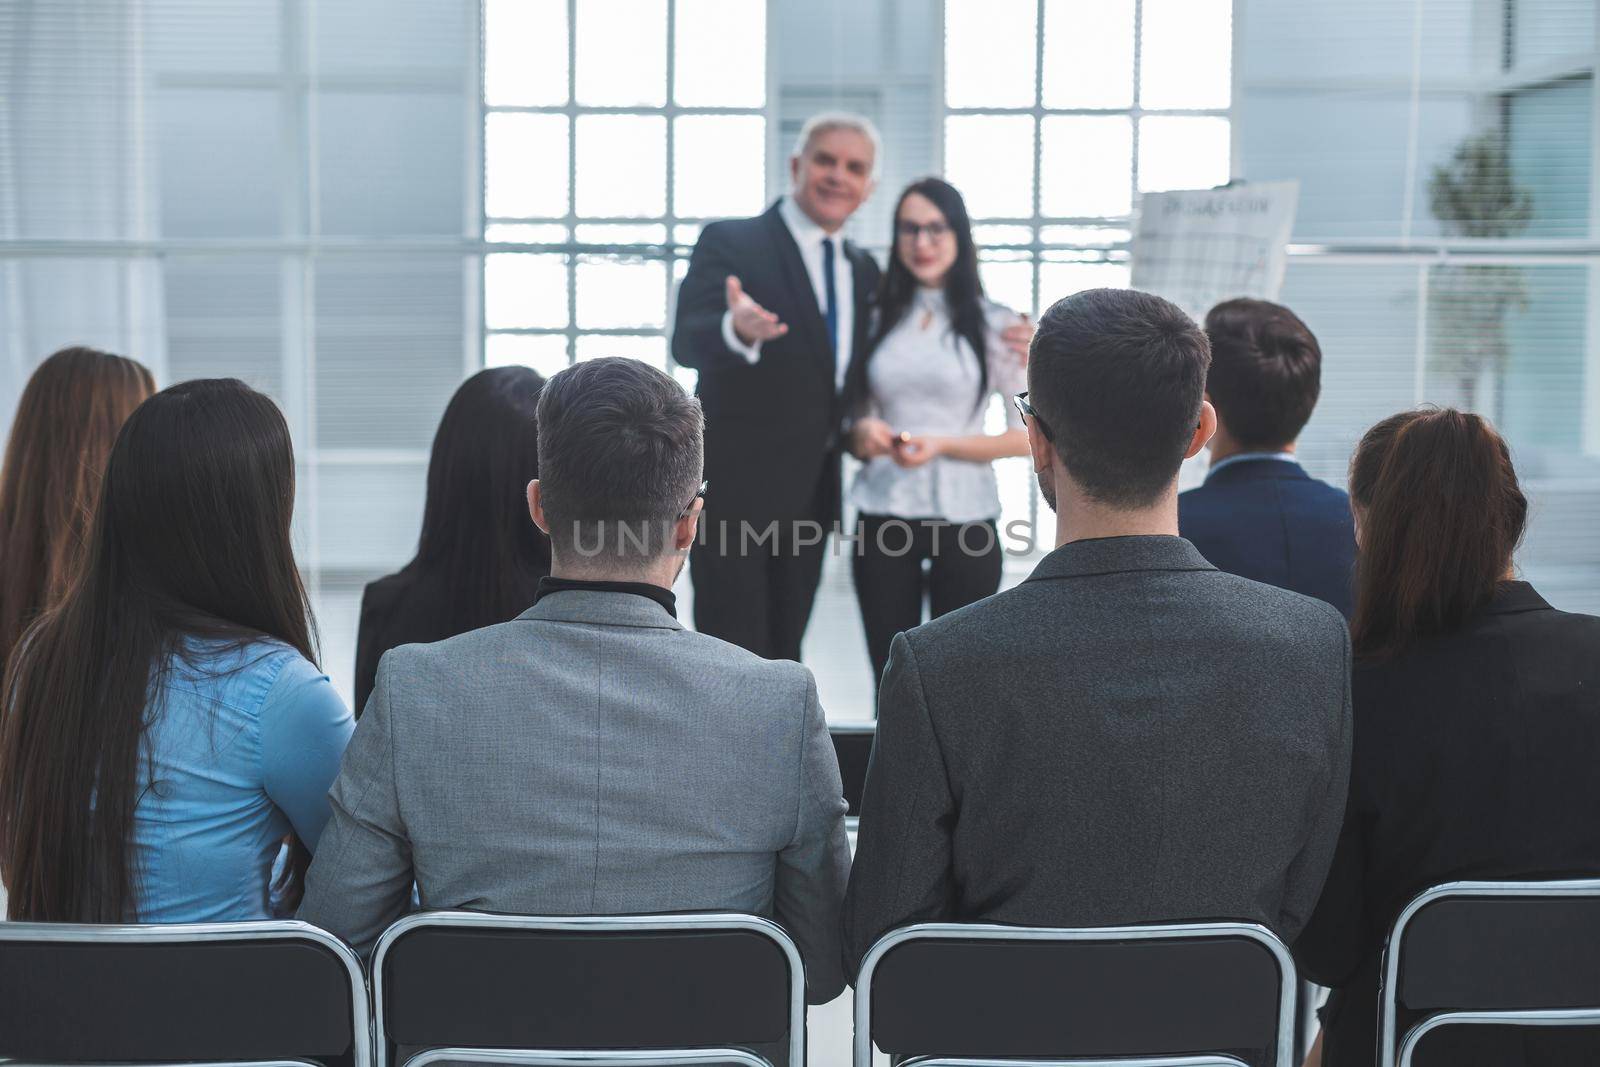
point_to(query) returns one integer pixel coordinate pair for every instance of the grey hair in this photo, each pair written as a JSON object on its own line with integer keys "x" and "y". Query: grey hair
{"x": 828, "y": 121}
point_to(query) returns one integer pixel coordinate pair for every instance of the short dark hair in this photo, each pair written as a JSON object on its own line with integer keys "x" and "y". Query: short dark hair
{"x": 1266, "y": 371}
{"x": 1118, "y": 376}
{"x": 621, "y": 448}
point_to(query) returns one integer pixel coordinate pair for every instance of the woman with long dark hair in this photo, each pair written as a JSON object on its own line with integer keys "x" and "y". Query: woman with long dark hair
{"x": 70, "y": 412}
{"x": 164, "y": 727}
{"x": 480, "y": 557}
{"x": 926, "y": 492}
{"x": 1477, "y": 720}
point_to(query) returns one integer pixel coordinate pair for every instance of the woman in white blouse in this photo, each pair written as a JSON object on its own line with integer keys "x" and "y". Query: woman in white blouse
{"x": 926, "y": 492}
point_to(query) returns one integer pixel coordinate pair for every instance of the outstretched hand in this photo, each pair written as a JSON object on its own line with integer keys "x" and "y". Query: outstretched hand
{"x": 752, "y": 322}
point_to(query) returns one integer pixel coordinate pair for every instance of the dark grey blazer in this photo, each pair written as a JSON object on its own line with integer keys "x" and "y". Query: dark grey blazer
{"x": 1131, "y": 735}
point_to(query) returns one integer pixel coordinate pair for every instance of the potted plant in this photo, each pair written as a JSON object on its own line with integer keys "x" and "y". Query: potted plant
{"x": 1475, "y": 194}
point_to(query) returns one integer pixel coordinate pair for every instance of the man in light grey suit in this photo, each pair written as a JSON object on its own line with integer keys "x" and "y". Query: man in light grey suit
{"x": 1130, "y": 735}
{"x": 592, "y": 756}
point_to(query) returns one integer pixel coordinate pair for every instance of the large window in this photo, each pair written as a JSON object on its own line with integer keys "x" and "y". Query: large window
{"x": 612, "y": 130}
{"x": 1058, "y": 115}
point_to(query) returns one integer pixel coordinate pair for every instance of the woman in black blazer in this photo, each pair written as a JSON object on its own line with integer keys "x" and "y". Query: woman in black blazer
{"x": 1477, "y": 723}
{"x": 480, "y": 557}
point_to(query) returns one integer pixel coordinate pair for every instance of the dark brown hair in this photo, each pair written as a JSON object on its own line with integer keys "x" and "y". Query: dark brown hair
{"x": 190, "y": 540}
{"x": 1440, "y": 515}
{"x": 68, "y": 416}
{"x": 1118, "y": 376}
{"x": 1266, "y": 372}
{"x": 621, "y": 447}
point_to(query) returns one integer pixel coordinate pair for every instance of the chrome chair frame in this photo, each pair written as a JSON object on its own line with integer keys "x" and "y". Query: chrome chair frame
{"x": 1388, "y": 1008}
{"x": 199, "y": 933}
{"x": 1159, "y": 1061}
{"x": 1287, "y": 979}
{"x": 598, "y": 1058}
{"x": 703, "y": 922}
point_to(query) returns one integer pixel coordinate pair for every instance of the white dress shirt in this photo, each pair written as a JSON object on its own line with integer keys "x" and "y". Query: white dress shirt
{"x": 808, "y": 236}
{"x": 923, "y": 379}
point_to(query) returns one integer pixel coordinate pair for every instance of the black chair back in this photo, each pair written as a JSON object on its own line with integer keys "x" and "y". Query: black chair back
{"x": 852, "y": 743}
{"x": 214, "y": 992}
{"x": 589, "y": 983}
{"x": 1491, "y": 953}
{"x": 976, "y": 991}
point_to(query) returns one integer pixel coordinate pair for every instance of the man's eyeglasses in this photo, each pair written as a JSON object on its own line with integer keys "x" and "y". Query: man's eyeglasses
{"x": 936, "y": 231}
{"x": 699, "y": 494}
{"x": 1021, "y": 400}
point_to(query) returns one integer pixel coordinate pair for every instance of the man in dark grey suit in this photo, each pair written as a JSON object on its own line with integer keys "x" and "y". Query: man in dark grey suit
{"x": 592, "y": 756}
{"x": 1130, "y": 735}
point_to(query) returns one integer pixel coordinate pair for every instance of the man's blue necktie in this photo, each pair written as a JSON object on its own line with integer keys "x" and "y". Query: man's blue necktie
{"x": 831, "y": 312}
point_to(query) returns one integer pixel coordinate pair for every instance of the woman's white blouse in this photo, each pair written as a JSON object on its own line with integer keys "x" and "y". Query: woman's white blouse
{"x": 923, "y": 379}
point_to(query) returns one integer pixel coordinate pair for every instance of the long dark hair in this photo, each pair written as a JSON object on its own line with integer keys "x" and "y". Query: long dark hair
{"x": 68, "y": 416}
{"x": 476, "y": 531}
{"x": 190, "y": 539}
{"x": 963, "y": 290}
{"x": 1441, "y": 514}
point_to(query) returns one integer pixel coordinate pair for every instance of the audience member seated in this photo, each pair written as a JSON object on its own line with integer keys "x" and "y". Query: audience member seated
{"x": 164, "y": 727}
{"x": 1259, "y": 514}
{"x": 592, "y": 755}
{"x": 1130, "y": 735}
{"x": 68, "y": 416}
{"x": 1477, "y": 720}
{"x": 480, "y": 557}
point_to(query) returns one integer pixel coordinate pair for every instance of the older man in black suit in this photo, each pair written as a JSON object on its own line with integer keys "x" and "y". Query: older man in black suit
{"x": 1130, "y": 735}
{"x": 771, "y": 312}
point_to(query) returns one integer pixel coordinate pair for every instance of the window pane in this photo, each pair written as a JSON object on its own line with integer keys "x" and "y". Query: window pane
{"x": 1008, "y": 279}
{"x": 721, "y": 53}
{"x": 1086, "y": 166}
{"x": 1092, "y": 236}
{"x": 522, "y": 291}
{"x": 1002, "y": 235}
{"x": 622, "y": 53}
{"x": 719, "y": 165}
{"x": 1186, "y": 53}
{"x": 601, "y": 233}
{"x": 1057, "y": 280}
{"x": 621, "y": 293}
{"x": 549, "y": 233}
{"x": 544, "y": 352}
{"x": 622, "y": 166}
{"x": 652, "y": 350}
{"x": 1182, "y": 153}
{"x": 525, "y": 52}
{"x": 977, "y": 33}
{"x": 686, "y": 233}
{"x": 990, "y": 159}
{"x": 1088, "y": 53}
{"x": 525, "y": 165}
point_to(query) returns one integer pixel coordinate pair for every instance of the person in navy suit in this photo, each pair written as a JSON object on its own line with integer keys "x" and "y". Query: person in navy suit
{"x": 1259, "y": 514}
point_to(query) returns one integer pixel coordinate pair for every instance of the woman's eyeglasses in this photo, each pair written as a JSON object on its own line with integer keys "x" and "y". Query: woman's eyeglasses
{"x": 936, "y": 231}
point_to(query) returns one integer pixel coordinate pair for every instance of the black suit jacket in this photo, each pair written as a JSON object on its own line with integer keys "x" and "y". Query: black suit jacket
{"x": 1475, "y": 757}
{"x": 772, "y": 427}
{"x": 1270, "y": 521}
{"x": 1128, "y": 736}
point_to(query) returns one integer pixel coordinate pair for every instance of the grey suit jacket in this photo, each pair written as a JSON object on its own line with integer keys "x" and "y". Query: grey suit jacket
{"x": 1128, "y": 736}
{"x": 591, "y": 756}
